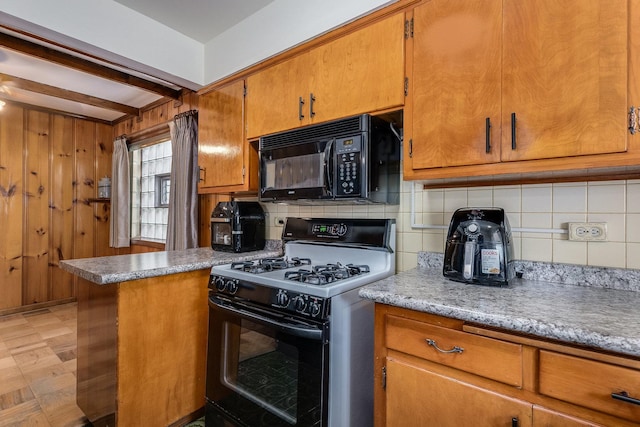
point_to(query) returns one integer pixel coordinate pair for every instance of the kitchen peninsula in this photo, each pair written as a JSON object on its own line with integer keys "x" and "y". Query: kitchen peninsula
{"x": 142, "y": 334}
{"x": 560, "y": 346}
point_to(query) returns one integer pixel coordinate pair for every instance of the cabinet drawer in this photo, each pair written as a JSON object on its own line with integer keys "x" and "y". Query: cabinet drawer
{"x": 589, "y": 383}
{"x": 487, "y": 357}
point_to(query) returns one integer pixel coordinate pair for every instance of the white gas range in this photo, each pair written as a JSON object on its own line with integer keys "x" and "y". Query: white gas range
{"x": 312, "y": 292}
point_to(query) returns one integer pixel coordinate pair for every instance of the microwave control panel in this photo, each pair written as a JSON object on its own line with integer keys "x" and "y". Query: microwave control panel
{"x": 348, "y": 169}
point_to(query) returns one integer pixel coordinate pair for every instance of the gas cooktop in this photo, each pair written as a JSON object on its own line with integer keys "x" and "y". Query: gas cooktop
{"x": 322, "y": 257}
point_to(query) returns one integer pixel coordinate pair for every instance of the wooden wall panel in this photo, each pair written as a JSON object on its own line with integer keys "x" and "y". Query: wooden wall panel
{"x": 157, "y": 115}
{"x": 36, "y": 230}
{"x": 102, "y": 211}
{"x": 48, "y": 169}
{"x": 11, "y": 208}
{"x": 61, "y": 206}
{"x": 85, "y": 188}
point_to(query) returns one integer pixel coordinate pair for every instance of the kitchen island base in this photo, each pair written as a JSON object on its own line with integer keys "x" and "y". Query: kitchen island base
{"x": 142, "y": 349}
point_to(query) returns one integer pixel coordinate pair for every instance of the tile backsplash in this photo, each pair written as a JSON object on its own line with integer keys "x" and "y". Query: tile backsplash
{"x": 539, "y": 207}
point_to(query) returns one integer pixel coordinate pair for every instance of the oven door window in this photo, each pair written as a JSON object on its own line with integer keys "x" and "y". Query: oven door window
{"x": 269, "y": 376}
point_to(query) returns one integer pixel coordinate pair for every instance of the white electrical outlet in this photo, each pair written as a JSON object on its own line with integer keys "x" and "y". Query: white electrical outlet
{"x": 588, "y": 231}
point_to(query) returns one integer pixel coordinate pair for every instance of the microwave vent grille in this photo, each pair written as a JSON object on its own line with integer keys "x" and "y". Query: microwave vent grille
{"x": 333, "y": 129}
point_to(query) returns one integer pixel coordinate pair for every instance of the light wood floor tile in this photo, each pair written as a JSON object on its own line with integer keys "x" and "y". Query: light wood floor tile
{"x": 38, "y": 368}
{"x": 7, "y": 362}
{"x": 16, "y": 331}
{"x": 62, "y": 342}
{"x": 61, "y": 408}
{"x": 16, "y": 397}
{"x": 4, "y": 351}
{"x": 11, "y": 321}
{"x": 28, "y": 414}
{"x": 53, "y": 330}
{"x": 42, "y": 318}
{"x": 52, "y": 384}
{"x": 12, "y": 379}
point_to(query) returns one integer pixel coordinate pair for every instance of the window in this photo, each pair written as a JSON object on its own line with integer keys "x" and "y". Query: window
{"x": 163, "y": 187}
{"x": 150, "y": 189}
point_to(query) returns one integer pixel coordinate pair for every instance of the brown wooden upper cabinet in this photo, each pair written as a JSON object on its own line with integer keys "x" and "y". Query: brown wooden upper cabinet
{"x": 227, "y": 162}
{"x": 507, "y": 81}
{"x": 358, "y": 73}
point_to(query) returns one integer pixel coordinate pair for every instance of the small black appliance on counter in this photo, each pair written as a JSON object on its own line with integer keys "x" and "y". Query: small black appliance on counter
{"x": 237, "y": 227}
{"x": 479, "y": 247}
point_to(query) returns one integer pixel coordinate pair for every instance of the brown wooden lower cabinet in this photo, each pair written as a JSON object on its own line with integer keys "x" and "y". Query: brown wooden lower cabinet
{"x": 418, "y": 397}
{"x": 142, "y": 350}
{"x": 437, "y": 371}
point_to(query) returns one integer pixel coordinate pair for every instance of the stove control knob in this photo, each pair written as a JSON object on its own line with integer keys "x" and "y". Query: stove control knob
{"x": 232, "y": 286}
{"x": 299, "y": 303}
{"x": 314, "y": 308}
{"x": 282, "y": 299}
{"x": 220, "y": 284}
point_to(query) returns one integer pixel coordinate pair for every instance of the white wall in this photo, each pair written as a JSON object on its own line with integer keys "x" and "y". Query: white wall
{"x": 114, "y": 32}
{"x": 111, "y": 31}
{"x": 277, "y": 27}
{"x": 527, "y": 206}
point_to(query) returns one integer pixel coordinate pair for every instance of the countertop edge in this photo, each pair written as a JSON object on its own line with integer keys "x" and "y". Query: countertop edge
{"x": 390, "y": 292}
{"x": 123, "y": 268}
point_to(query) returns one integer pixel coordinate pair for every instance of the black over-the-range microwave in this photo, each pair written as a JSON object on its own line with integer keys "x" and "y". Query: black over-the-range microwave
{"x": 356, "y": 159}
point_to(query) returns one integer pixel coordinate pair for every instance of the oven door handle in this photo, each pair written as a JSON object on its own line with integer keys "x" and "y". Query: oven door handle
{"x": 302, "y": 331}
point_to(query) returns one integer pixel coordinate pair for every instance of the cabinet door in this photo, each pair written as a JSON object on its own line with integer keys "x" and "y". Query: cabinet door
{"x": 221, "y": 143}
{"x": 417, "y": 397}
{"x": 361, "y": 72}
{"x": 564, "y": 77}
{"x": 273, "y": 96}
{"x": 455, "y": 83}
{"x": 543, "y": 417}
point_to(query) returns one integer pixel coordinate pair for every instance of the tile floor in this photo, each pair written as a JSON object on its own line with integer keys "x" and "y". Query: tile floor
{"x": 38, "y": 368}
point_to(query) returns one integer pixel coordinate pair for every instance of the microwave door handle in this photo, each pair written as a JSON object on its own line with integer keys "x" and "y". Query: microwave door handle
{"x": 328, "y": 166}
{"x": 298, "y": 331}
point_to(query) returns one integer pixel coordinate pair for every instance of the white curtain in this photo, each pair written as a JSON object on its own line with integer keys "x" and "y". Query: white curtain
{"x": 120, "y": 229}
{"x": 182, "y": 228}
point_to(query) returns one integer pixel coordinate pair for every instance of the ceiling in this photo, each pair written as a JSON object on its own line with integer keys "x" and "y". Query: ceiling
{"x": 34, "y": 72}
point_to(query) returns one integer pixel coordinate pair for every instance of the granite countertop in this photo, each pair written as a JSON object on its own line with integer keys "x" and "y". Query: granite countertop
{"x": 122, "y": 268}
{"x": 596, "y": 316}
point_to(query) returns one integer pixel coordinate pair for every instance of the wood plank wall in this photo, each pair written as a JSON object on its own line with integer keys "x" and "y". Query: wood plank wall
{"x": 49, "y": 166}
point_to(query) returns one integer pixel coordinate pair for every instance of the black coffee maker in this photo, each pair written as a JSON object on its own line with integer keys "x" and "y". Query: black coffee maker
{"x": 237, "y": 227}
{"x": 479, "y": 247}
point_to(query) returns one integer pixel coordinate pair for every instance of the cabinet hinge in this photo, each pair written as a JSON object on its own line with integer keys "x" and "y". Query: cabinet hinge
{"x": 408, "y": 28}
{"x": 633, "y": 120}
{"x": 411, "y": 148}
{"x": 244, "y": 91}
{"x": 243, "y": 171}
{"x": 406, "y": 86}
{"x": 384, "y": 377}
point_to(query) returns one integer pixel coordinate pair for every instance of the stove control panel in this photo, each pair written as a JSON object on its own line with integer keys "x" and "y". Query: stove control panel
{"x": 282, "y": 300}
{"x": 223, "y": 284}
{"x": 306, "y": 305}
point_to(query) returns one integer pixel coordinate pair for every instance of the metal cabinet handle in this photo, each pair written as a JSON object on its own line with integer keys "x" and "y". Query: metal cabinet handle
{"x": 624, "y": 396}
{"x": 300, "y": 105}
{"x": 513, "y": 131}
{"x": 203, "y": 171}
{"x": 487, "y": 136}
{"x": 514, "y": 422}
{"x": 433, "y": 344}
{"x": 312, "y": 99}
